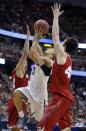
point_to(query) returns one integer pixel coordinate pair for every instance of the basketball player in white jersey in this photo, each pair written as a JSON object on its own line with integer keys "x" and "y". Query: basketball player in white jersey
{"x": 37, "y": 93}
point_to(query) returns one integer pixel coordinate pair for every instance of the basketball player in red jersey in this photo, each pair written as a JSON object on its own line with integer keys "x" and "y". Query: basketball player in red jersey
{"x": 20, "y": 79}
{"x": 58, "y": 109}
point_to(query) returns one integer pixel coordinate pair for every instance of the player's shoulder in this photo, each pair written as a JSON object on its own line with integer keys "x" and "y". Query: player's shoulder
{"x": 69, "y": 58}
{"x": 13, "y": 73}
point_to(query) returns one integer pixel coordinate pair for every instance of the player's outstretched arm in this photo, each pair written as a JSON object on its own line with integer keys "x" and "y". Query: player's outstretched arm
{"x": 35, "y": 44}
{"x": 25, "y": 51}
{"x": 26, "y": 44}
{"x": 59, "y": 49}
{"x": 21, "y": 65}
{"x": 36, "y": 53}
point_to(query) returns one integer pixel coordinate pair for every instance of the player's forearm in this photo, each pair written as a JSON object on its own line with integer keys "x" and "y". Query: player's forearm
{"x": 47, "y": 61}
{"x": 55, "y": 35}
{"x": 24, "y": 53}
{"x": 35, "y": 56}
{"x": 35, "y": 41}
{"x": 41, "y": 60}
{"x": 26, "y": 46}
{"x": 22, "y": 60}
{"x": 55, "y": 30}
{"x": 19, "y": 73}
{"x": 36, "y": 45}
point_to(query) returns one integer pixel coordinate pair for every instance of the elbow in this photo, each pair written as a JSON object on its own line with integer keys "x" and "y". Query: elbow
{"x": 31, "y": 53}
{"x": 26, "y": 54}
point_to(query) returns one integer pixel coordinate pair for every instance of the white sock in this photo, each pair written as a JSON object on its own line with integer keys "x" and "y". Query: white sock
{"x": 21, "y": 114}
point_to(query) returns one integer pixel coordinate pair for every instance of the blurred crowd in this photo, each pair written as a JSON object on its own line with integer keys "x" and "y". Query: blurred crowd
{"x": 16, "y": 14}
{"x": 5, "y": 93}
{"x": 79, "y": 61}
{"x": 78, "y": 87}
{"x": 10, "y": 48}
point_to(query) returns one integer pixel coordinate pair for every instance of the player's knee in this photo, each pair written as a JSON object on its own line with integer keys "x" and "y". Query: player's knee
{"x": 17, "y": 94}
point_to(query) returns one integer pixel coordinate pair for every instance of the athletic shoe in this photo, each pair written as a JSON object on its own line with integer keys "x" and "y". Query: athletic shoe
{"x": 22, "y": 121}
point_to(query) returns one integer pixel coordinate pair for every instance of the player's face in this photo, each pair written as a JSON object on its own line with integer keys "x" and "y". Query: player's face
{"x": 50, "y": 53}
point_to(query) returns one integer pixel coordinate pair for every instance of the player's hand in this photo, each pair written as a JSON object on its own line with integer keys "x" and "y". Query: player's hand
{"x": 28, "y": 31}
{"x": 39, "y": 32}
{"x": 56, "y": 10}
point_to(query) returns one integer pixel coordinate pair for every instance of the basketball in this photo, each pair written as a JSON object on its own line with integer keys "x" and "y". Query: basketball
{"x": 43, "y": 24}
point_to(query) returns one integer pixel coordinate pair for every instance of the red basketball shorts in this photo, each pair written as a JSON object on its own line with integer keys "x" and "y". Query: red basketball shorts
{"x": 57, "y": 111}
{"x": 13, "y": 114}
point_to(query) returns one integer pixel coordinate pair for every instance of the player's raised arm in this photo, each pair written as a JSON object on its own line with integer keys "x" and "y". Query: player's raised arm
{"x": 37, "y": 37}
{"x": 41, "y": 27}
{"x": 59, "y": 49}
{"x": 35, "y": 53}
{"x": 25, "y": 50}
{"x": 26, "y": 44}
{"x": 35, "y": 44}
{"x": 41, "y": 60}
{"x": 22, "y": 64}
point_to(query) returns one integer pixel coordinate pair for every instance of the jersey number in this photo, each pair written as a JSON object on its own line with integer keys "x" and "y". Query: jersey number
{"x": 68, "y": 71}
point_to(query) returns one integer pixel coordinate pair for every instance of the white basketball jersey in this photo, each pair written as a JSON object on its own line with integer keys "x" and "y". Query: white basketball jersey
{"x": 38, "y": 84}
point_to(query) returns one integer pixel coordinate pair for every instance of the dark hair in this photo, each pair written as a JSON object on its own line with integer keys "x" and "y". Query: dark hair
{"x": 71, "y": 45}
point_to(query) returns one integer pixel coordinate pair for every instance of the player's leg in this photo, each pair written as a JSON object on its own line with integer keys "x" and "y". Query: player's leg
{"x": 66, "y": 121}
{"x": 37, "y": 109}
{"x": 12, "y": 116}
{"x": 49, "y": 112}
{"x": 18, "y": 95}
{"x": 54, "y": 112}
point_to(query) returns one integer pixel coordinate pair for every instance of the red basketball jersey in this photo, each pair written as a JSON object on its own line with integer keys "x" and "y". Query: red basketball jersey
{"x": 19, "y": 82}
{"x": 60, "y": 79}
